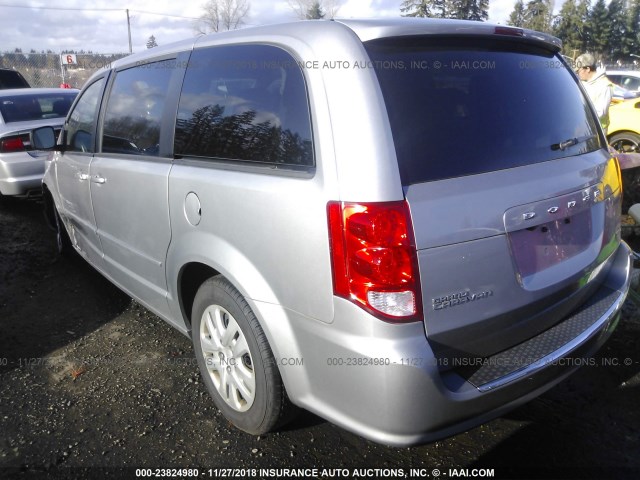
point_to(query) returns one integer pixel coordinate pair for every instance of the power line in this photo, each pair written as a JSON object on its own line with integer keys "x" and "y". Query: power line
{"x": 70, "y": 9}
{"x": 66, "y": 8}
{"x": 165, "y": 15}
{"x": 123, "y": 10}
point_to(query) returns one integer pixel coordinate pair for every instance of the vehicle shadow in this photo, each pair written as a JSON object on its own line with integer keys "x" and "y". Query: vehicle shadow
{"x": 46, "y": 301}
{"x": 303, "y": 420}
{"x": 559, "y": 450}
{"x": 586, "y": 427}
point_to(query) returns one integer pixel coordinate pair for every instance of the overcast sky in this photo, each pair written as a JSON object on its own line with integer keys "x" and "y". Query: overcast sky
{"x": 106, "y": 31}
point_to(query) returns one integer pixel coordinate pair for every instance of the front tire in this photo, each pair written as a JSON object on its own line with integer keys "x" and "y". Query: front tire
{"x": 235, "y": 360}
{"x": 63, "y": 242}
{"x": 628, "y": 142}
{"x": 625, "y": 142}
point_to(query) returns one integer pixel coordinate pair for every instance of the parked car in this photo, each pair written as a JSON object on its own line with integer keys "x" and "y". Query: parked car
{"x": 298, "y": 200}
{"x": 624, "y": 136}
{"x": 620, "y": 94}
{"x": 624, "y": 127}
{"x": 629, "y": 79}
{"x": 21, "y": 110}
{"x": 12, "y": 79}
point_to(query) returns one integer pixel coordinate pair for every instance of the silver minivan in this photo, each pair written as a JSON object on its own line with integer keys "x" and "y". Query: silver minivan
{"x": 405, "y": 226}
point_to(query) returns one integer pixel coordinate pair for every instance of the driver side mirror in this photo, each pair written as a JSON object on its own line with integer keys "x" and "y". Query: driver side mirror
{"x": 43, "y": 138}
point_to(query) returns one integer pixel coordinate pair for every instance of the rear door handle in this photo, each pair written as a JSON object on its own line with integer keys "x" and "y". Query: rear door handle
{"x": 97, "y": 179}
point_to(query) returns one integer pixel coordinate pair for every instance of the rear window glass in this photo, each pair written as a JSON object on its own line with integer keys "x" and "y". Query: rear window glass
{"x": 22, "y": 108}
{"x": 11, "y": 79}
{"x": 467, "y": 106}
{"x": 245, "y": 103}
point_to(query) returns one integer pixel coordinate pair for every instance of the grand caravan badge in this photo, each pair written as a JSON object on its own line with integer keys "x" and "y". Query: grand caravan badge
{"x": 456, "y": 299}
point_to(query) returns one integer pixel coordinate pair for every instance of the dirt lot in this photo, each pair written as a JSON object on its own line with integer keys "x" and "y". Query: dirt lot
{"x": 91, "y": 382}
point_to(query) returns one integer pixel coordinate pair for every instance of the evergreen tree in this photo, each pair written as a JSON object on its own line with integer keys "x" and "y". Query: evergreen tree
{"x": 617, "y": 28}
{"x": 538, "y": 15}
{"x": 570, "y": 27}
{"x": 471, "y": 10}
{"x": 151, "y": 42}
{"x": 631, "y": 38}
{"x": 517, "y": 17}
{"x": 598, "y": 25}
{"x": 429, "y": 8}
{"x": 479, "y": 10}
{"x": 415, "y": 8}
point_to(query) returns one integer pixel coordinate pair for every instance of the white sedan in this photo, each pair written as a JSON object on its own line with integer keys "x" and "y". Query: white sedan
{"x": 22, "y": 110}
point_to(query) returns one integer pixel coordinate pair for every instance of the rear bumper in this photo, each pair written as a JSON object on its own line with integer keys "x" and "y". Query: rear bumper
{"x": 21, "y": 173}
{"x": 383, "y": 382}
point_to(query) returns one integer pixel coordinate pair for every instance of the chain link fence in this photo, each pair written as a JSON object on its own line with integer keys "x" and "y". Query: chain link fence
{"x": 623, "y": 66}
{"x": 53, "y": 69}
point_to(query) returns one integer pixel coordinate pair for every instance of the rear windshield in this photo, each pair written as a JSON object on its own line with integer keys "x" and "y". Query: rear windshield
{"x": 466, "y": 106}
{"x": 11, "y": 79}
{"x": 22, "y": 108}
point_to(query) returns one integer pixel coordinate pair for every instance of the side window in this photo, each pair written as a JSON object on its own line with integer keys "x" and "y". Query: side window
{"x": 246, "y": 103}
{"x": 81, "y": 127}
{"x": 134, "y": 109}
{"x": 632, "y": 83}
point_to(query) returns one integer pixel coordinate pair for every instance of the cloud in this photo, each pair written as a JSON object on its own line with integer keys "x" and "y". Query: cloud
{"x": 104, "y": 29}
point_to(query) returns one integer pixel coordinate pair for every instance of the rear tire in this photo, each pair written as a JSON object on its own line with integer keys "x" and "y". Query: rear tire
{"x": 630, "y": 188}
{"x": 235, "y": 360}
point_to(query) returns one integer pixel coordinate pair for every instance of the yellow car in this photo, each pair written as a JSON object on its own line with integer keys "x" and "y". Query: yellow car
{"x": 624, "y": 137}
{"x": 624, "y": 129}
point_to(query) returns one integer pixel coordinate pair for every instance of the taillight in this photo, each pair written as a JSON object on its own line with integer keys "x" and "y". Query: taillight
{"x": 374, "y": 258}
{"x": 15, "y": 143}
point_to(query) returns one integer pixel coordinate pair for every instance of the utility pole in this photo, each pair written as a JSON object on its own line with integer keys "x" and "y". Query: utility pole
{"x": 62, "y": 67}
{"x": 129, "y": 30}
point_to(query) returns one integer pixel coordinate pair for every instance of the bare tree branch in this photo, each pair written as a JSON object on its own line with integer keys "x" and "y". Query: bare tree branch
{"x": 301, "y": 8}
{"x": 220, "y": 15}
{"x": 331, "y": 7}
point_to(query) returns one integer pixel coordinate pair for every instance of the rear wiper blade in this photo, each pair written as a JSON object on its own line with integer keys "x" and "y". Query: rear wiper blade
{"x": 571, "y": 142}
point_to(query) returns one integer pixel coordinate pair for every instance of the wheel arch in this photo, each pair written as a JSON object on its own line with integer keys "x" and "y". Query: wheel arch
{"x": 49, "y": 208}
{"x": 191, "y": 277}
{"x": 622, "y": 131}
{"x": 194, "y": 256}
{"x": 272, "y": 317}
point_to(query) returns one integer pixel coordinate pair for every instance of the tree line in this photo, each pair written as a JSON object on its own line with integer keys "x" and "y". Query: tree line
{"x": 459, "y": 9}
{"x": 611, "y": 32}
{"x": 51, "y": 60}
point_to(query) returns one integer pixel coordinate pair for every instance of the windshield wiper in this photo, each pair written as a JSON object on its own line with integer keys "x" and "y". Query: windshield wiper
{"x": 571, "y": 142}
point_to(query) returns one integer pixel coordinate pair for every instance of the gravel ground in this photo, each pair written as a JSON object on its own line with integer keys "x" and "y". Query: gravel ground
{"x": 92, "y": 384}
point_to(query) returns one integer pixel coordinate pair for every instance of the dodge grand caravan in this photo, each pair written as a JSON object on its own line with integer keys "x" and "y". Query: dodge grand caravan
{"x": 405, "y": 226}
